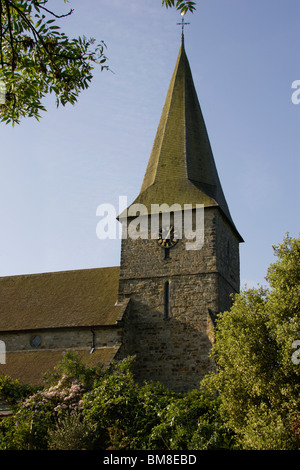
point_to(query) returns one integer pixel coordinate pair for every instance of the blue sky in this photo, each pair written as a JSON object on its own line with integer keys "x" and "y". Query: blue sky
{"x": 244, "y": 57}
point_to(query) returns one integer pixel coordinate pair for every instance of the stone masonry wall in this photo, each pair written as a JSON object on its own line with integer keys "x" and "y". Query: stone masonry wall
{"x": 174, "y": 348}
{"x": 61, "y": 338}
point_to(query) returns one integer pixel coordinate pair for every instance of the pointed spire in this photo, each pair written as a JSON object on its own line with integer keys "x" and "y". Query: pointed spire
{"x": 181, "y": 167}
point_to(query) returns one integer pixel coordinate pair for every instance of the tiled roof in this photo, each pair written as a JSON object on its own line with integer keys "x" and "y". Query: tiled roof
{"x": 29, "y": 366}
{"x": 61, "y": 299}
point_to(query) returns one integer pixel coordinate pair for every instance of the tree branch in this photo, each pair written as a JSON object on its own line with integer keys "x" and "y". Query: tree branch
{"x": 11, "y": 35}
{"x": 37, "y": 37}
{"x": 54, "y": 14}
{"x": 35, "y": 33}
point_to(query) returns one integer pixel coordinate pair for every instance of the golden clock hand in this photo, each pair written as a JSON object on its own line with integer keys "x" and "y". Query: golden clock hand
{"x": 169, "y": 232}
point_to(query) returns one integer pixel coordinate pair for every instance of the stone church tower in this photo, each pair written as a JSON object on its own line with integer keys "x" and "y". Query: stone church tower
{"x": 175, "y": 293}
{"x": 161, "y": 303}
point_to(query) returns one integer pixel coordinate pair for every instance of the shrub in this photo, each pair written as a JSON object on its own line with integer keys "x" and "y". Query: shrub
{"x": 71, "y": 432}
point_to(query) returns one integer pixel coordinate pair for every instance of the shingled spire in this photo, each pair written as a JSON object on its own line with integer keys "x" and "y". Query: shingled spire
{"x": 181, "y": 168}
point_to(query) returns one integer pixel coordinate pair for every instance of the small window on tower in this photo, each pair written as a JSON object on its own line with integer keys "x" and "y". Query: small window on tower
{"x": 167, "y": 300}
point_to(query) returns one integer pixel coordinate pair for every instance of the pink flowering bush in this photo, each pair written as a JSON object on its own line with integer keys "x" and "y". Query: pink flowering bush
{"x": 37, "y": 414}
{"x": 41, "y": 411}
{"x": 64, "y": 397}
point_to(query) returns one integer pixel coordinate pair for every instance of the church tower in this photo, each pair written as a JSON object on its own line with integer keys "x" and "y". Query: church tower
{"x": 175, "y": 288}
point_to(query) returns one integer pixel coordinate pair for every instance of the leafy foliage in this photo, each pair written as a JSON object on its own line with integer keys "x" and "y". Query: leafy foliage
{"x": 257, "y": 381}
{"x": 71, "y": 433}
{"x": 37, "y": 58}
{"x": 111, "y": 411}
{"x": 36, "y": 414}
{"x": 182, "y": 6}
{"x": 191, "y": 422}
{"x": 12, "y": 390}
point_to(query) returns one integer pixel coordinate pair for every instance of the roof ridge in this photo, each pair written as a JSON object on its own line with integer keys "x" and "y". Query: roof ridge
{"x": 50, "y": 273}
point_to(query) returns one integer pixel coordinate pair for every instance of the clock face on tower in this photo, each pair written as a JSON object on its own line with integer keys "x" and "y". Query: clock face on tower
{"x": 167, "y": 237}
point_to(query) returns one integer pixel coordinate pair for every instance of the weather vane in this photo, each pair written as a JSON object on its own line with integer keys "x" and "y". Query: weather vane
{"x": 182, "y": 24}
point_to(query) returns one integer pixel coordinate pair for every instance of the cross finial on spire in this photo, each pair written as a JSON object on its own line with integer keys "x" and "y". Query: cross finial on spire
{"x": 182, "y": 26}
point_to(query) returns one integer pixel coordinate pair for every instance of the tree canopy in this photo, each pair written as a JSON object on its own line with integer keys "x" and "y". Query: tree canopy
{"x": 258, "y": 370}
{"x": 37, "y": 57}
